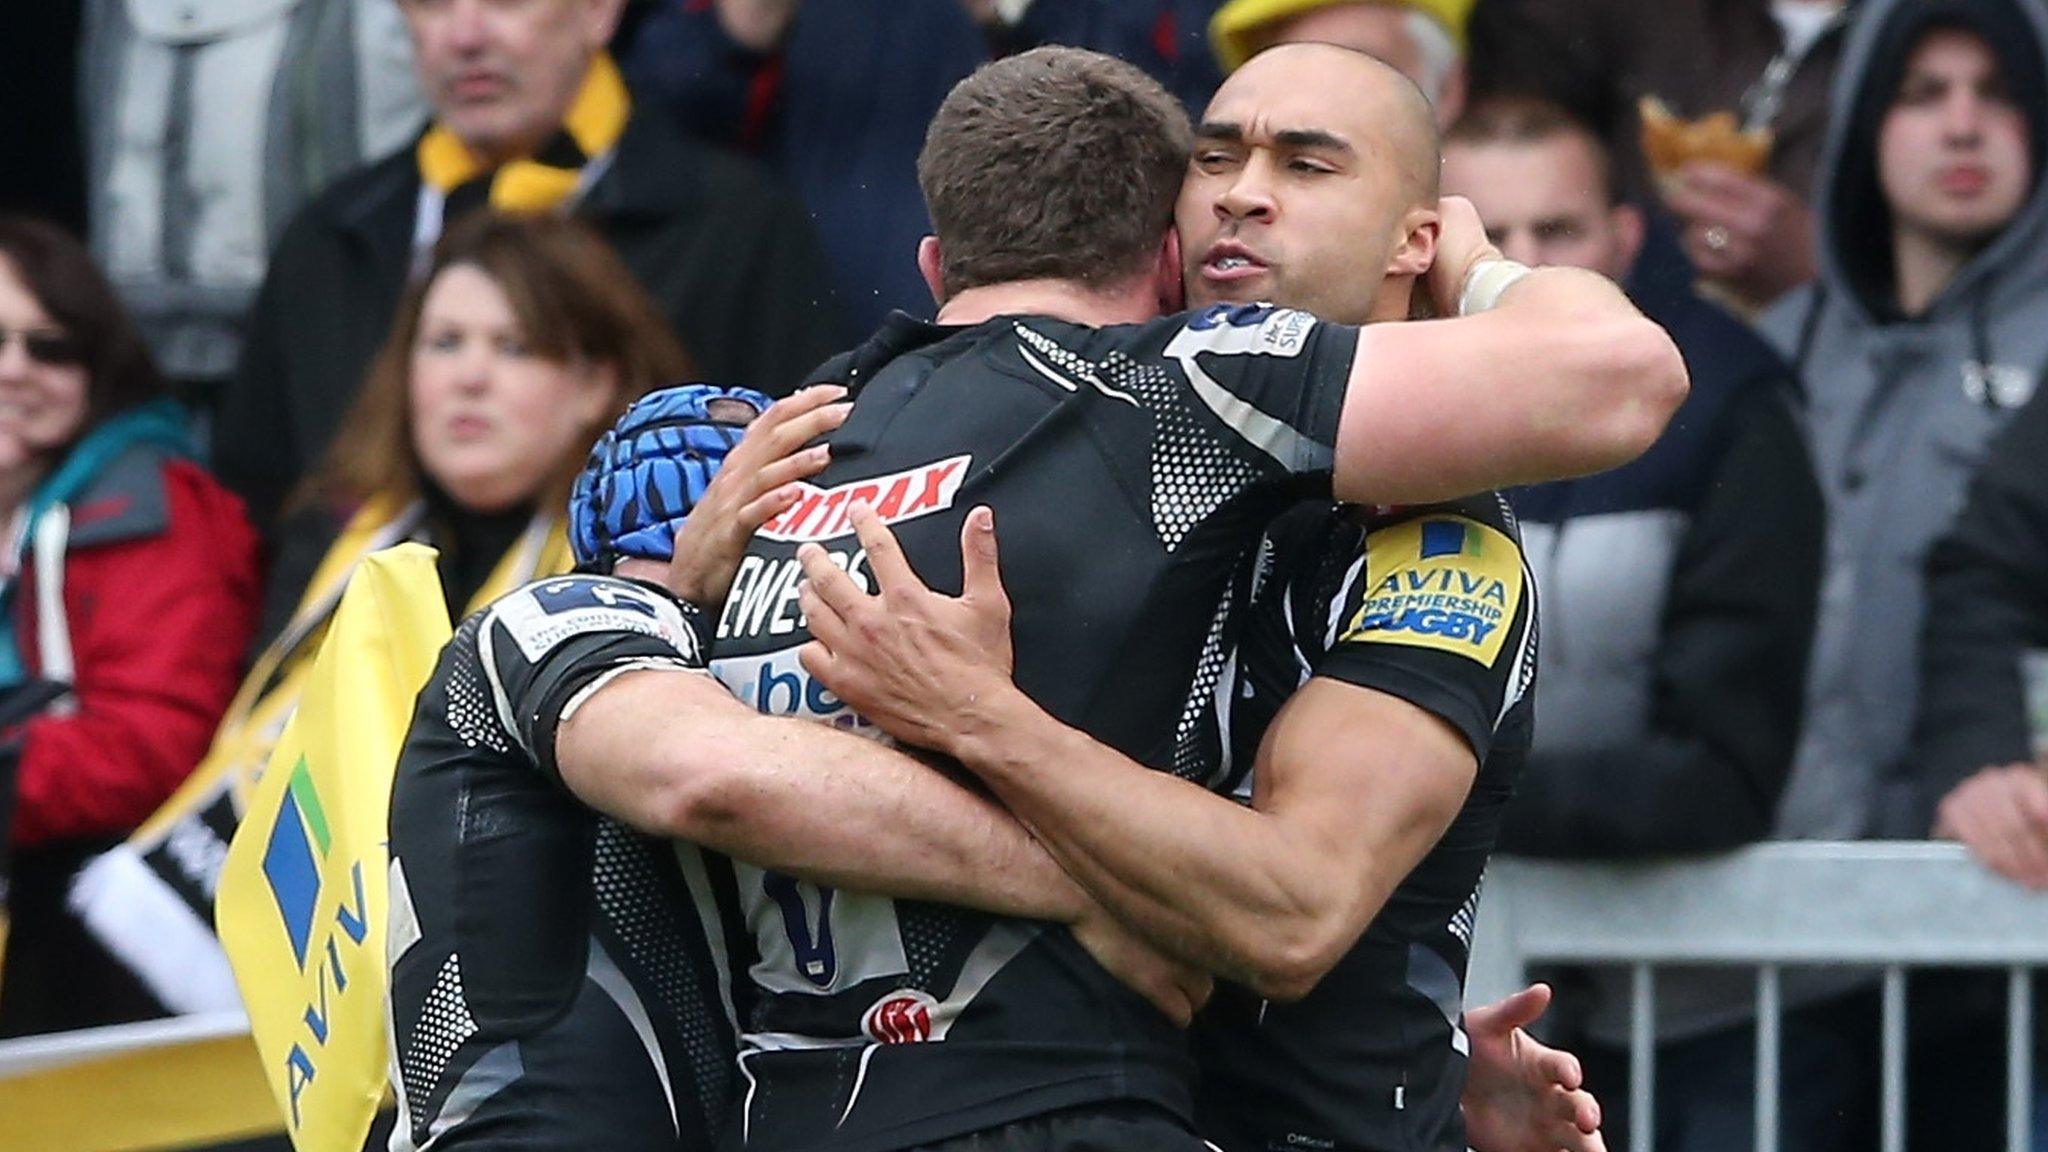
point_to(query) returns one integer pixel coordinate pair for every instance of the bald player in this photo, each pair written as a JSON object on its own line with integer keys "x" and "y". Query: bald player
{"x": 1375, "y": 713}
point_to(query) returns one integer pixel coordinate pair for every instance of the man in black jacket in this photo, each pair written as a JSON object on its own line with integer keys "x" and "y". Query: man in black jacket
{"x": 1679, "y": 598}
{"x": 530, "y": 115}
{"x": 1975, "y": 770}
{"x": 1679, "y": 588}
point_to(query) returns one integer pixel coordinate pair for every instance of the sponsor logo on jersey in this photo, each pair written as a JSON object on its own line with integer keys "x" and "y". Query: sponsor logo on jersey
{"x": 1245, "y": 328}
{"x": 777, "y": 684}
{"x": 823, "y": 513}
{"x": 1443, "y": 582}
{"x": 901, "y": 1017}
{"x": 763, "y": 600}
{"x": 540, "y": 616}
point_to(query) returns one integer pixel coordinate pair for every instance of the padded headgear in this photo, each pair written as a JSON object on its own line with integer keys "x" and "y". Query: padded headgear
{"x": 646, "y": 474}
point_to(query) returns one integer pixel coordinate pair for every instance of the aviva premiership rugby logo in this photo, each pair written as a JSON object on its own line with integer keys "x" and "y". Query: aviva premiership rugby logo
{"x": 295, "y": 862}
{"x": 1443, "y": 582}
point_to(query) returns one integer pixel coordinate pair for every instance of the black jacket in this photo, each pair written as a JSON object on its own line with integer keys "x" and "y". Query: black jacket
{"x": 1987, "y": 607}
{"x": 726, "y": 253}
{"x": 1678, "y": 596}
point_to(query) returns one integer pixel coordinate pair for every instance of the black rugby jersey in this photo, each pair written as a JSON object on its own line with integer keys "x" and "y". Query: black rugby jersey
{"x": 1131, "y": 470}
{"x": 1433, "y": 605}
{"x": 552, "y": 983}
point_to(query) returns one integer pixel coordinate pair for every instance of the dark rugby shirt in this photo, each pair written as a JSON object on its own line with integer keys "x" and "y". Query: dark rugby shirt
{"x": 1432, "y": 605}
{"x": 1131, "y": 469}
{"x": 552, "y": 981}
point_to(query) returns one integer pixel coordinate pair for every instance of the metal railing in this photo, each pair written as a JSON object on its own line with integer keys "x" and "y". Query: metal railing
{"x": 1886, "y": 905}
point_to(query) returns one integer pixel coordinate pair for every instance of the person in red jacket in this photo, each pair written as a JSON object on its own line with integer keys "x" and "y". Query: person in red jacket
{"x": 128, "y": 593}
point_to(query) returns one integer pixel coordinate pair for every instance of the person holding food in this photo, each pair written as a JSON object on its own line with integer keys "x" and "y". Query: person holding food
{"x": 1719, "y": 107}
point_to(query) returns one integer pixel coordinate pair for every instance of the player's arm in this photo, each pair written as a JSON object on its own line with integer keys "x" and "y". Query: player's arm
{"x": 1352, "y": 788}
{"x": 1560, "y": 377}
{"x": 601, "y": 682}
{"x": 669, "y": 751}
{"x": 672, "y": 752}
{"x": 1271, "y": 896}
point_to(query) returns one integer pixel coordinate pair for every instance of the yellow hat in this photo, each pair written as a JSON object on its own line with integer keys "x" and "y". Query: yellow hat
{"x": 1233, "y": 32}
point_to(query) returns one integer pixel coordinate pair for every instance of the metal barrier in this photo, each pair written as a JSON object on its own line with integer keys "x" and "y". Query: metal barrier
{"x": 1888, "y": 905}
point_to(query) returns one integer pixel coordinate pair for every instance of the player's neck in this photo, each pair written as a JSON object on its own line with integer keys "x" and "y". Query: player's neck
{"x": 1130, "y": 303}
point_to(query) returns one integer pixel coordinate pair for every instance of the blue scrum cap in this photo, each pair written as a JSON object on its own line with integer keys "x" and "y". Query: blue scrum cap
{"x": 651, "y": 468}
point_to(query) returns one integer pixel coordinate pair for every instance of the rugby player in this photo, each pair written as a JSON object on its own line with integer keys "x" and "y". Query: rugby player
{"x": 551, "y": 983}
{"x": 888, "y": 1024}
{"x": 1379, "y": 788}
{"x": 556, "y": 978}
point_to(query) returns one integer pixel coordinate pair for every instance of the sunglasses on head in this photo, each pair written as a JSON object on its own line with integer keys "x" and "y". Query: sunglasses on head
{"x": 52, "y": 349}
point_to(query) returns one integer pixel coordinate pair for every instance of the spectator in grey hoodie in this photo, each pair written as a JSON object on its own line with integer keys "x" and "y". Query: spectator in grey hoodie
{"x": 1926, "y": 330}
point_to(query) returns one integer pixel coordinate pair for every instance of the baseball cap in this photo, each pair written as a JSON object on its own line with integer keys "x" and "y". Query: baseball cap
{"x": 645, "y": 475}
{"x": 1233, "y": 31}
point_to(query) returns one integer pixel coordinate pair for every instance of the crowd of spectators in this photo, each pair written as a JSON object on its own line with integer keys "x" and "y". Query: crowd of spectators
{"x": 334, "y": 232}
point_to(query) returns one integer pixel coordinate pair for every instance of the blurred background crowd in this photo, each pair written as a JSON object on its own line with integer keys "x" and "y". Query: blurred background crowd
{"x": 285, "y": 281}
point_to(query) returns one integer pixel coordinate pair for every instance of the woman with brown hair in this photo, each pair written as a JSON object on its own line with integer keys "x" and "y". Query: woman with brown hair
{"x": 127, "y": 594}
{"x": 523, "y": 339}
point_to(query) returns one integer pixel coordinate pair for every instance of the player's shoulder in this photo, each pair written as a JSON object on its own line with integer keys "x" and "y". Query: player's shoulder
{"x": 1222, "y": 330}
{"x": 540, "y": 616}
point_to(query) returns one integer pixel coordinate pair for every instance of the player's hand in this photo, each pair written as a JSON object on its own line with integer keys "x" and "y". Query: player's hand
{"x": 1174, "y": 988}
{"x": 1747, "y": 233}
{"x": 909, "y": 659}
{"x": 756, "y": 483}
{"x": 1461, "y": 244}
{"x": 2001, "y": 815}
{"x": 1522, "y": 1095}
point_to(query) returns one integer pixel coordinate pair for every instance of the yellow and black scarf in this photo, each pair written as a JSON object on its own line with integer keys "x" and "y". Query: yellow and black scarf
{"x": 544, "y": 180}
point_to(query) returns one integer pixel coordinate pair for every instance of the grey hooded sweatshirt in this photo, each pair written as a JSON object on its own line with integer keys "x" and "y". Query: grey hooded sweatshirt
{"x": 1900, "y": 408}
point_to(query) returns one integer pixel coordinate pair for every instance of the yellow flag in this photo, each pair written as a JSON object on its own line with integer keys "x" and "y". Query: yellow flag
{"x": 302, "y": 902}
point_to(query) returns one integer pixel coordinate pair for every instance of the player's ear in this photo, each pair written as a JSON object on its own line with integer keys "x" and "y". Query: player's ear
{"x": 931, "y": 265}
{"x": 1415, "y": 249}
{"x": 1167, "y": 277}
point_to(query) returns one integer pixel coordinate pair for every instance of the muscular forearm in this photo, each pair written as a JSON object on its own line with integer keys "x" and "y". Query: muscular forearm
{"x": 1220, "y": 886}
{"x": 673, "y": 753}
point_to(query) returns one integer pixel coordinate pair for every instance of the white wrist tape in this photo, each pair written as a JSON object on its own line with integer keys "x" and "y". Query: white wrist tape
{"x": 1485, "y": 283}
